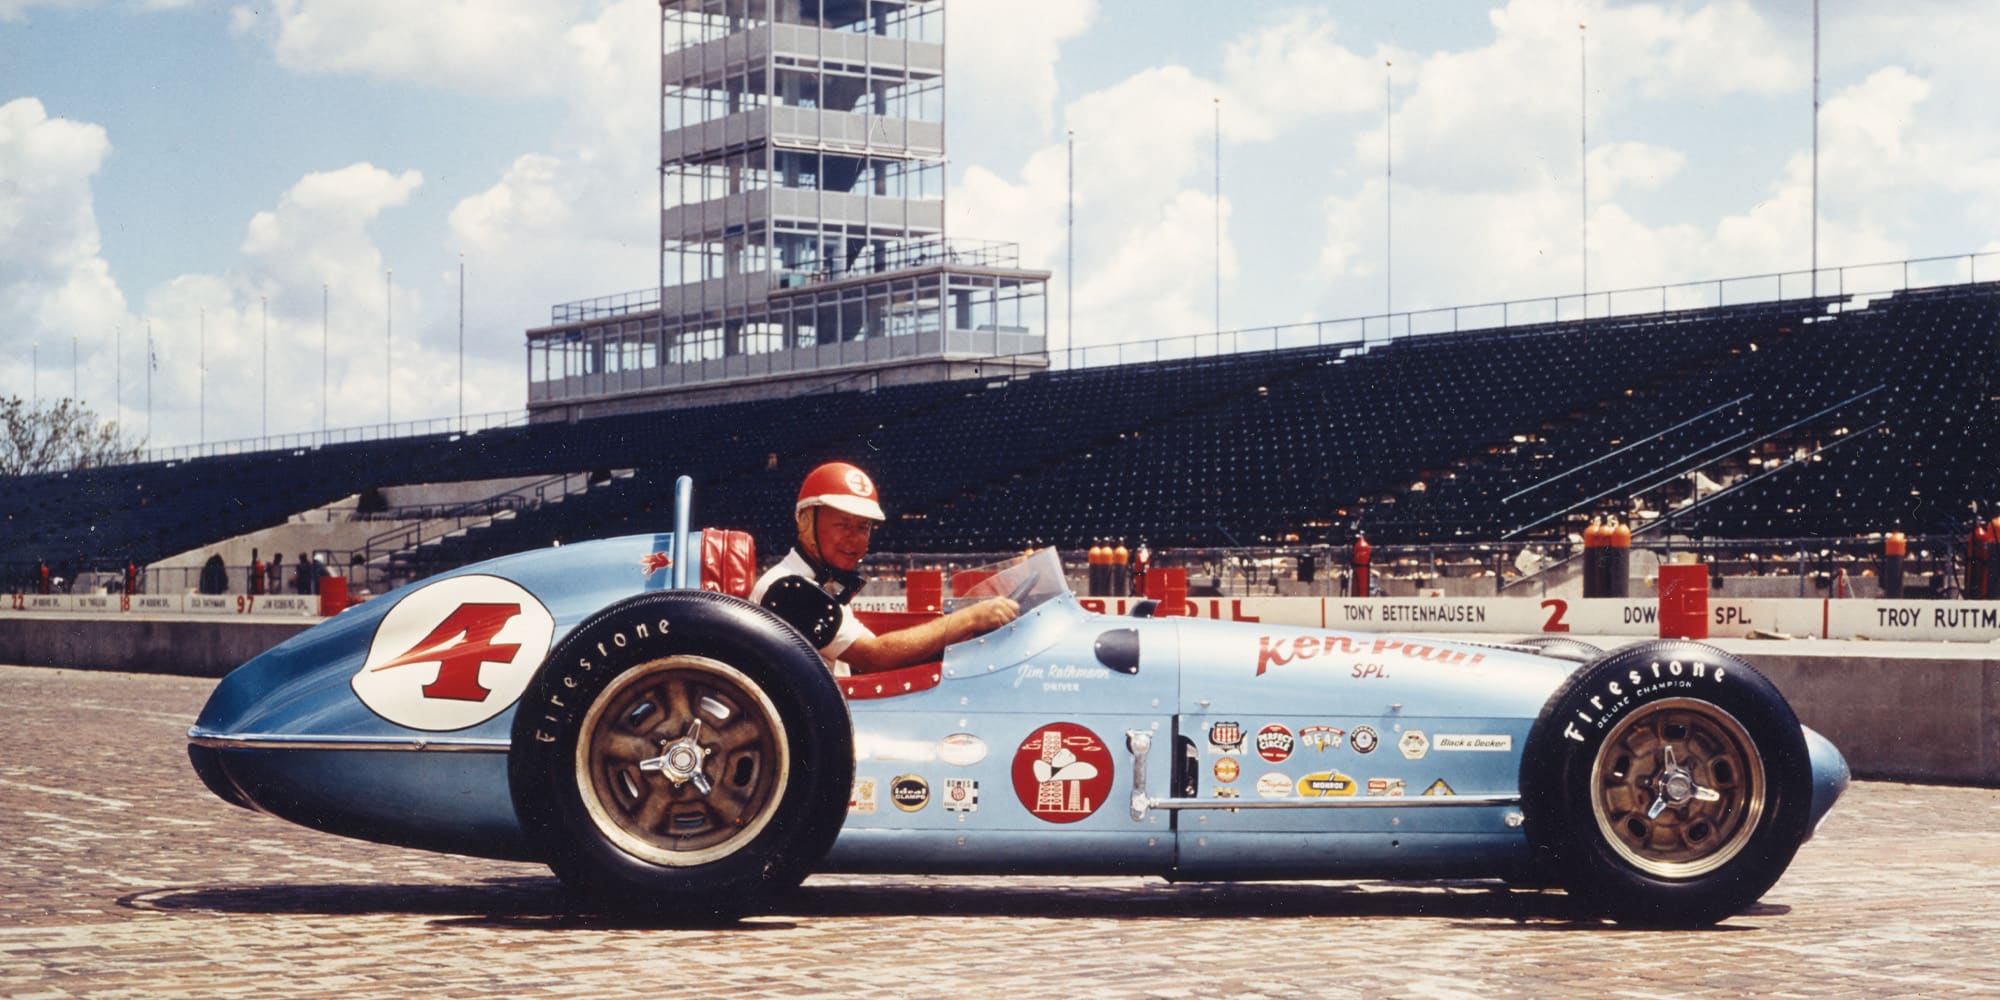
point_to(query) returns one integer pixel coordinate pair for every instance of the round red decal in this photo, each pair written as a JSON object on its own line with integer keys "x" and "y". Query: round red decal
{"x": 1274, "y": 743}
{"x": 1062, "y": 772}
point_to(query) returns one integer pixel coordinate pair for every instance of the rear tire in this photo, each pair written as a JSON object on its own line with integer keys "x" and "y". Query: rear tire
{"x": 1667, "y": 784}
{"x": 683, "y": 753}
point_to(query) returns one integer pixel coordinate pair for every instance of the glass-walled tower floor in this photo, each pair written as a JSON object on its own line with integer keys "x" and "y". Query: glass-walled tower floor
{"x": 802, "y": 238}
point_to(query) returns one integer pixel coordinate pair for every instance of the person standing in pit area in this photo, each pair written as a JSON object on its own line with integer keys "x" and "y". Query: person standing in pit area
{"x": 836, "y": 516}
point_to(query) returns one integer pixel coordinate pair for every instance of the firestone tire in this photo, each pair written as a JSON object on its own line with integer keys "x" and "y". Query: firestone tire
{"x": 683, "y": 754}
{"x": 1666, "y": 784}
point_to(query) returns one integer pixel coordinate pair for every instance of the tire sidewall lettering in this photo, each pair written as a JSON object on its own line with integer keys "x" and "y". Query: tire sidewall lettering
{"x": 1604, "y": 704}
{"x": 1558, "y": 781}
{"x": 592, "y": 658}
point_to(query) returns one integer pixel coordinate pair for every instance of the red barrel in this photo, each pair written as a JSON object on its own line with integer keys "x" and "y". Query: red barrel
{"x": 1683, "y": 601}
{"x": 332, "y": 595}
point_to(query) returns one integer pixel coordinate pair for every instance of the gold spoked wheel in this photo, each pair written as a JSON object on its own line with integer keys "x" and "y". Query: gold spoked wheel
{"x": 1678, "y": 787}
{"x": 682, "y": 761}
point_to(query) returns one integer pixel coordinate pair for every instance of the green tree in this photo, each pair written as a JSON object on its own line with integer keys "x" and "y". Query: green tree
{"x": 67, "y": 435}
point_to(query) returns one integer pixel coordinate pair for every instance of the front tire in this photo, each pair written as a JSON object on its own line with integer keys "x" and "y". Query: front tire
{"x": 1667, "y": 784}
{"x": 684, "y": 753}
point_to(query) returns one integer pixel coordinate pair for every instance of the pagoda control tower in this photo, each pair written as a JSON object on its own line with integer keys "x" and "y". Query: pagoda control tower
{"x": 802, "y": 224}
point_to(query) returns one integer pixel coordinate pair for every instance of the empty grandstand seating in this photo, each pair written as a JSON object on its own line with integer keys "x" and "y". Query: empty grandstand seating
{"x": 1873, "y": 417}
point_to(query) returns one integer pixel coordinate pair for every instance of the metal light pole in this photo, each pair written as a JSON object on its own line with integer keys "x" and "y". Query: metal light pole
{"x": 1218, "y": 222}
{"x": 1815, "y": 154}
{"x": 1583, "y": 158}
{"x": 201, "y": 423}
{"x": 1388, "y": 193}
{"x": 322, "y": 360}
{"x": 1069, "y": 270}
{"x": 461, "y": 342}
{"x": 264, "y": 377}
{"x": 388, "y": 368}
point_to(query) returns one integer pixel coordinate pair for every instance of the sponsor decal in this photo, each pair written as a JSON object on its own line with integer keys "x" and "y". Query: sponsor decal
{"x": 1484, "y": 742}
{"x": 1385, "y": 786}
{"x": 961, "y": 795}
{"x": 1278, "y": 651}
{"x": 1321, "y": 738}
{"x": 1274, "y": 743}
{"x": 962, "y": 749}
{"x": 909, "y": 792}
{"x": 862, "y": 799}
{"x": 653, "y": 562}
{"x": 1225, "y": 737}
{"x": 1324, "y": 784}
{"x": 1228, "y": 793}
{"x": 1438, "y": 787}
{"x": 1062, "y": 772}
{"x": 454, "y": 653}
{"x": 1274, "y": 786}
{"x": 1363, "y": 739}
{"x": 1414, "y": 745}
{"x": 1226, "y": 770}
{"x": 1619, "y": 691}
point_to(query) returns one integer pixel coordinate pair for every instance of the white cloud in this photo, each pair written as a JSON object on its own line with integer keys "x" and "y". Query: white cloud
{"x": 479, "y": 46}
{"x": 238, "y": 347}
{"x": 1005, "y": 55}
{"x": 17, "y": 10}
{"x": 581, "y": 219}
{"x": 1293, "y": 69}
{"x": 1620, "y": 167}
{"x": 318, "y": 233}
{"x": 53, "y": 280}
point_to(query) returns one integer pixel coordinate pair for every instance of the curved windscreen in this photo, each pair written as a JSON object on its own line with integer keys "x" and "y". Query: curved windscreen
{"x": 1030, "y": 580}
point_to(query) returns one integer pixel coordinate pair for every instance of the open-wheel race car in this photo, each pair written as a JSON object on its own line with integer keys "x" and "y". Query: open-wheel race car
{"x": 616, "y": 710}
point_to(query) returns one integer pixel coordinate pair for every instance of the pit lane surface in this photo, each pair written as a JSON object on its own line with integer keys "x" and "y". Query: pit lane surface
{"x": 122, "y": 876}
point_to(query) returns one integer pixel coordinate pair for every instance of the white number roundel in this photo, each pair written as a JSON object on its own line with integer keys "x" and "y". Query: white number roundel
{"x": 454, "y": 653}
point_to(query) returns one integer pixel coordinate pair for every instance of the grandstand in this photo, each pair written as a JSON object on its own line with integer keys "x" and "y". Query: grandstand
{"x": 1818, "y": 417}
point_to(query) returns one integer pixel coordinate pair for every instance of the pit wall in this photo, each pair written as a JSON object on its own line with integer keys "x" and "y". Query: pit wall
{"x": 1843, "y": 618}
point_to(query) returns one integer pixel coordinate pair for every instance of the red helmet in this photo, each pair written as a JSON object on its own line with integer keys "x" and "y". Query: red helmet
{"x": 842, "y": 487}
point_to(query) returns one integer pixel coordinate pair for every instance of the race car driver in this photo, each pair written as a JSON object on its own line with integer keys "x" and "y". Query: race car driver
{"x": 836, "y": 515}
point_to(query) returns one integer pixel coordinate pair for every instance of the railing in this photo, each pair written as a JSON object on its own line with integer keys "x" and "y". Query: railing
{"x": 471, "y": 514}
{"x": 584, "y": 310}
{"x": 901, "y": 257}
{"x": 1467, "y": 568}
{"x": 922, "y": 253}
{"x": 1840, "y": 283}
{"x": 468, "y": 424}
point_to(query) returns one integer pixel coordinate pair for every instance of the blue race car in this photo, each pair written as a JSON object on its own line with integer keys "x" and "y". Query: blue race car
{"x": 614, "y": 710}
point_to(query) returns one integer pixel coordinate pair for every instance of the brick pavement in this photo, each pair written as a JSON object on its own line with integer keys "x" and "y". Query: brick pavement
{"x": 122, "y": 876}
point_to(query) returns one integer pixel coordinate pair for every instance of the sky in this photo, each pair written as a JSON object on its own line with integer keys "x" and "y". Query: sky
{"x": 257, "y": 187}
